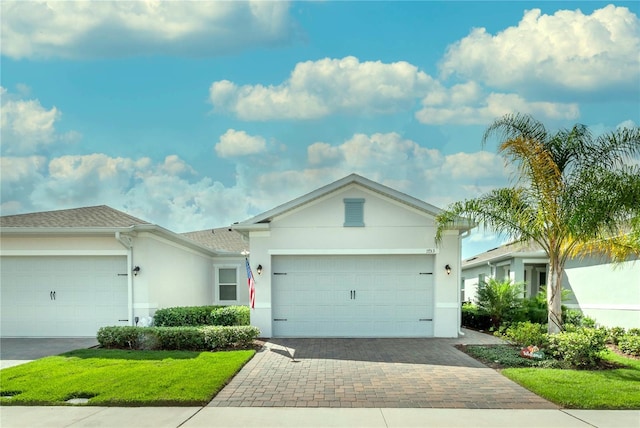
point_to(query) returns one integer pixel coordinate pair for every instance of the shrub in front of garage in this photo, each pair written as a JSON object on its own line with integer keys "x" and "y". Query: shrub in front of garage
{"x": 203, "y": 338}
{"x": 184, "y": 316}
{"x": 230, "y": 315}
{"x": 194, "y": 316}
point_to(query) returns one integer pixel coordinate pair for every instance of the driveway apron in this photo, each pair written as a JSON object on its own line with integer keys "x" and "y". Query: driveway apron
{"x": 423, "y": 373}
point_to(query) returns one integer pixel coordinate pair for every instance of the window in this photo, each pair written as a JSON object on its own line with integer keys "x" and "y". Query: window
{"x": 228, "y": 283}
{"x": 354, "y": 212}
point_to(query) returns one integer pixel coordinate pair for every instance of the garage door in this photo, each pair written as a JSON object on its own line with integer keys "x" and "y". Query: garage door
{"x": 62, "y": 296}
{"x": 352, "y": 296}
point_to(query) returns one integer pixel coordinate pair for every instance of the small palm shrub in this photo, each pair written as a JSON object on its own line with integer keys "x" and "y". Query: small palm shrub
{"x": 499, "y": 299}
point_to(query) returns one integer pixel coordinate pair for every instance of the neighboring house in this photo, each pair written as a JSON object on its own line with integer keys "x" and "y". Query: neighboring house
{"x": 354, "y": 259}
{"x": 66, "y": 273}
{"x": 351, "y": 259}
{"x": 607, "y": 292}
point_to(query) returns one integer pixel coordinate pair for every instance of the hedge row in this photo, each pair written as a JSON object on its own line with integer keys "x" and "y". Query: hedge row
{"x": 204, "y": 338}
{"x": 473, "y": 317}
{"x": 194, "y": 316}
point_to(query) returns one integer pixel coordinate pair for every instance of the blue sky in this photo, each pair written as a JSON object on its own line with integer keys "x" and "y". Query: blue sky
{"x": 198, "y": 114}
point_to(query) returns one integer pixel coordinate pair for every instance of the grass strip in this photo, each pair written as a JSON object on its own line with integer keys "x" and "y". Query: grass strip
{"x": 585, "y": 389}
{"x": 122, "y": 378}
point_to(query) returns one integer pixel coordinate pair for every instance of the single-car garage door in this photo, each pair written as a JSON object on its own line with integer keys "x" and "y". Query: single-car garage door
{"x": 352, "y": 296}
{"x": 64, "y": 296}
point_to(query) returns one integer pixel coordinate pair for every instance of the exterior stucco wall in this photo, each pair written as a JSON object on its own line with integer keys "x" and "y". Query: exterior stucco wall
{"x": 170, "y": 275}
{"x": 390, "y": 228}
{"x": 471, "y": 281}
{"x": 608, "y": 293}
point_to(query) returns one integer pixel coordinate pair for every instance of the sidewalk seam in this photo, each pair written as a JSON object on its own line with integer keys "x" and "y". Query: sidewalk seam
{"x": 575, "y": 417}
{"x": 383, "y": 418}
{"x": 190, "y": 417}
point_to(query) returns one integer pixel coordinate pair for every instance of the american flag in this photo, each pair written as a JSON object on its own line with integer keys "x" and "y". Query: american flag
{"x": 252, "y": 285}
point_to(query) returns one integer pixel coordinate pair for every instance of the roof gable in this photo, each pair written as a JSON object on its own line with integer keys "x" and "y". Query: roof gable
{"x": 321, "y": 192}
{"x": 89, "y": 217}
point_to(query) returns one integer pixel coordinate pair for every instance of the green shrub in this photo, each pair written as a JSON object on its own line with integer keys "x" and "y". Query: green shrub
{"x": 230, "y": 315}
{"x": 120, "y": 337}
{"x": 581, "y": 348}
{"x": 177, "y": 338}
{"x": 527, "y": 333}
{"x": 614, "y": 334}
{"x": 473, "y": 317}
{"x": 225, "y": 337}
{"x": 180, "y": 338}
{"x": 532, "y": 309}
{"x": 634, "y": 332}
{"x": 572, "y": 316}
{"x": 630, "y": 344}
{"x": 500, "y": 299}
{"x": 184, "y": 316}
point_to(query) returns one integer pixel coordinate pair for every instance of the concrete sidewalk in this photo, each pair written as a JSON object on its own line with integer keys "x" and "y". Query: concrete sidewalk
{"x": 173, "y": 417}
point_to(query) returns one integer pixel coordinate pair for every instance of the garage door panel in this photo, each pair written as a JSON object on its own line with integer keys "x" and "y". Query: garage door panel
{"x": 88, "y": 294}
{"x": 352, "y": 296}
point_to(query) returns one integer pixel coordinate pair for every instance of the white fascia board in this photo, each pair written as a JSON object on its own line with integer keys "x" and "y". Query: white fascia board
{"x": 64, "y": 230}
{"x": 131, "y": 230}
{"x": 246, "y": 228}
{"x": 47, "y": 253}
{"x": 354, "y": 251}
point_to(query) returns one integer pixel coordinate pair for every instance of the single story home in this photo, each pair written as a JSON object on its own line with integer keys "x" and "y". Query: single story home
{"x": 607, "y": 292}
{"x": 351, "y": 259}
{"x": 67, "y": 273}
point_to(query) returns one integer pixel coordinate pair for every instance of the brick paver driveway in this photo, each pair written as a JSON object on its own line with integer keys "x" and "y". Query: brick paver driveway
{"x": 373, "y": 373}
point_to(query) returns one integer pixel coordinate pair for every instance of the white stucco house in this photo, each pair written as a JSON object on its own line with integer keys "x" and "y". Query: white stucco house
{"x": 604, "y": 291}
{"x": 354, "y": 259}
{"x": 351, "y": 259}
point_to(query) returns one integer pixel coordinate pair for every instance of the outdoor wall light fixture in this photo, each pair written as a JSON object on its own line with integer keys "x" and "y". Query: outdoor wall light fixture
{"x": 448, "y": 269}
{"x": 136, "y": 270}
{"x": 259, "y": 269}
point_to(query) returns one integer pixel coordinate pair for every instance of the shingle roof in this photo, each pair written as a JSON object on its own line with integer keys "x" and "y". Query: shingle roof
{"x": 98, "y": 216}
{"x": 504, "y": 251}
{"x": 220, "y": 239}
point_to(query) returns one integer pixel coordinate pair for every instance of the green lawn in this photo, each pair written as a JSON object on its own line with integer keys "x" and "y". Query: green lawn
{"x": 584, "y": 389}
{"x": 122, "y": 378}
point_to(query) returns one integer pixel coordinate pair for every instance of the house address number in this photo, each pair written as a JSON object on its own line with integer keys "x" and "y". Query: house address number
{"x": 432, "y": 251}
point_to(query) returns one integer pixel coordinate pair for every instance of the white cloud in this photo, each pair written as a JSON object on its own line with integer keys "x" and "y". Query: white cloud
{"x": 567, "y": 50}
{"x": 239, "y": 143}
{"x": 19, "y": 177}
{"x": 466, "y": 104}
{"x": 82, "y": 29}
{"x": 26, "y": 126}
{"x": 319, "y": 88}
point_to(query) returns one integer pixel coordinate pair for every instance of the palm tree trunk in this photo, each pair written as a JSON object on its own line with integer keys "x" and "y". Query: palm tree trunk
{"x": 554, "y": 294}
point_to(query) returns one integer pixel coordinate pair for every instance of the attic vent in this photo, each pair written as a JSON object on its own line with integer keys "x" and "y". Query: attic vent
{"x": 354, "y": 212}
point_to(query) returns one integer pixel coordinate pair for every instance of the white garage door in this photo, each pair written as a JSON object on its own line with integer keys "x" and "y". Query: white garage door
{"x": 352, "y": 296}
{"x": 62, "y": 296}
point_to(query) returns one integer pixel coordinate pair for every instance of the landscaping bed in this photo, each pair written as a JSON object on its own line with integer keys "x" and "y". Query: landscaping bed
{"x": 613, "y": 384}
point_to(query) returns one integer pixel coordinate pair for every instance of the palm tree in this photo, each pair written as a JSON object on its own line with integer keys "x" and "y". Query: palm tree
{"x": 573, "y": 194}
